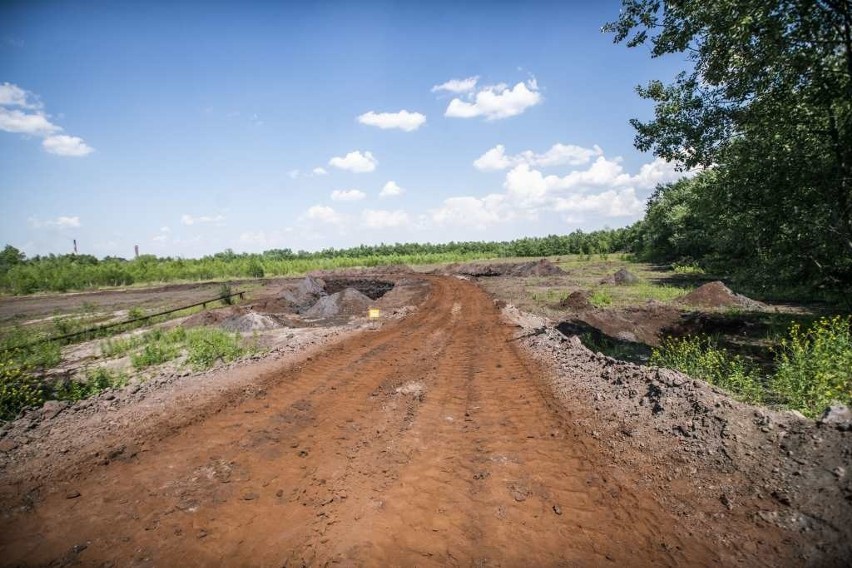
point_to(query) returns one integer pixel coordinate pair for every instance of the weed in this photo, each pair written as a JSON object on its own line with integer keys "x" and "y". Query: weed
{"x": 815, "y": 366}
{"x": 687, "y": 268}
{"x": 702, "y": 359}
{"x": 206, "y": 346}
{"x": 601, "y": 298}
{"x": 97, "y": 379}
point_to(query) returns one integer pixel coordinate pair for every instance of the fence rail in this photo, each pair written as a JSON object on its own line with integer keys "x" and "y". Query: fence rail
{"x": 100, "y": 328}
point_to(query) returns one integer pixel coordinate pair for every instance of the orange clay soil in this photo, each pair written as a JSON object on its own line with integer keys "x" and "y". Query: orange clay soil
{"x": 432, "y": 441}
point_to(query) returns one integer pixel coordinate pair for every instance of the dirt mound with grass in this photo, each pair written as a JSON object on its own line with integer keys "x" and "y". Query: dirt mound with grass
{"x": 213, "y": 317}
{"x": 250, "y": 322}
{"x": 541, "y": 267}
{"x": 347, "y": 302}
{"x": 717, "y": 295}
{"x": 577, "y": 301}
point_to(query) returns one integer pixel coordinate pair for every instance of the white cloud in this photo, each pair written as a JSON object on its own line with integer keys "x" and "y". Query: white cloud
{"x": 36, "y": 123}
{"x": 61, "y": 222}
{"x": 319, "y": 171}
{"x": 496, "y": 101}
{"x": 22, "y": 123}
{"x": 356, "y": 162}
{"x": 558, "y": 155}
{"x": 474, "y": 212}
{"x": 293, "y": 174}
{"x": 383, "y": 219}
{"x": 63, "y": 145}
{"x": 13, "y": 95}
{"x": 457, "y": 85}
{"x": 347, "y": 195}
{"x": 190, "y": 220}
{"x": 324, "y": 214}
{"x": 404, "y": 120}
{"x": 391, "y": 189}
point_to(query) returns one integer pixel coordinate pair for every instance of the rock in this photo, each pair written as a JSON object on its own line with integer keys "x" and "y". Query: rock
{"x": 52, "y": 408}
{"x": 557, "y": 509}
{"x": 250, "y": 496}
{"x": 72, "y": 494}
{"x": 838, "y": 416}
{"x": 7, "y": 445}
{"x": 624, "y": 276}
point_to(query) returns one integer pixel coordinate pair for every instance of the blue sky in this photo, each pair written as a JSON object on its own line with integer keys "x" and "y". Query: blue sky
{"x": 188, "y": 128}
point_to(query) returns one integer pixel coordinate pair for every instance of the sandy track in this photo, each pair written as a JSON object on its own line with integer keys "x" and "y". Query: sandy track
{"x": 433, "y": 441}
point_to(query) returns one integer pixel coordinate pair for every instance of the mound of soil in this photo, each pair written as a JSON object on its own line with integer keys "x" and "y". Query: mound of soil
{"x": 305, "y": 294}
{"x": 387, "y": 270}
{"x": 750, "y": 464}
{"x": 273, "y": 306}
{"x": 347, "y": 302}
{"x": 717, "y": 295}
{"x": 213, "y": 317}
{"x": 250, "y": 322}
{"x": 577, "y": 301}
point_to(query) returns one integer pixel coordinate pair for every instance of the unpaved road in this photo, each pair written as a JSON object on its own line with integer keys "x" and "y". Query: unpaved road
{"x": 432, "y": 441}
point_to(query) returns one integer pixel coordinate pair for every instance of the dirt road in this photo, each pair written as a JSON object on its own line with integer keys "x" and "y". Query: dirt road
{"x": 432, "y": 441}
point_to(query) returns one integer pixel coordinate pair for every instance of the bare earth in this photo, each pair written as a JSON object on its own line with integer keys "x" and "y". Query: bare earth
{"x": 433, "y": 441}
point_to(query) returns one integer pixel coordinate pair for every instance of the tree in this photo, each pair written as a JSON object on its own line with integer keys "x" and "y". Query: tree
{"x": 9, "y": 257}
{"x": 768, "y": 105}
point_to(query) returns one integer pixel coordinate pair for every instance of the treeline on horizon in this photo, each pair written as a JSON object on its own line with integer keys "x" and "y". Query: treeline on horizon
{"x": 59, "y": 273}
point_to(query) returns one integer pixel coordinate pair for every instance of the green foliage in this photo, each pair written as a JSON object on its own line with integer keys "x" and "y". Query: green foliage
{"x": 97, "y": 379}
{"x": 206, "y": 346}
{"x": 768, "y": 104}
{"x": 601, "y": 298}
{"x": 702, "y": 359}
{"x": 815, "y": 366}
{"x": 19, "y": 388}
{"x": 687, "y": 267}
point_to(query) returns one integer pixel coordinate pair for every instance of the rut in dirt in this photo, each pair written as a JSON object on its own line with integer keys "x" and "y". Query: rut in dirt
{"x": 432, "y": 441}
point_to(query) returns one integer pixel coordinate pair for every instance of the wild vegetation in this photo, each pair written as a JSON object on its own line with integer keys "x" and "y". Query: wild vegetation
{"x": 810, "y": 371}
{"x": 765, "y": 115}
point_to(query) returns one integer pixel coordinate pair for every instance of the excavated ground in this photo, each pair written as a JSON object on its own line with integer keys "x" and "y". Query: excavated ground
{"x": 432, "y": 441}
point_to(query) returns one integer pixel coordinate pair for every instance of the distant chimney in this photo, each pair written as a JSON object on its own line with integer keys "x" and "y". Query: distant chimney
{"x": 136, "y": 248}
{"x": 75, "y": 246}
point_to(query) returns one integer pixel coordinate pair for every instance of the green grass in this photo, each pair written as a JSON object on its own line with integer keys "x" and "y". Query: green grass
{"x": 601, "y": 298}
{"x": 700, "y": 357}
{"x": 812, "y": 367}
{"x": 815, "y": 366}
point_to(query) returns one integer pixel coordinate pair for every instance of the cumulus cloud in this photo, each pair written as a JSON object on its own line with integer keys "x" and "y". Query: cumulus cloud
{"x": 13, "y": 95}
{"x": 356, "y": 162}
{"x": 474, "y": 212}
{"x": 494, "y": 102}
{"x": 558, "y": 155}
{"x": 391, "y": 189}
{"x": 21, "y": 113}
{"x": 19, "y": 122}
{"x": 63, "y": 145}
{"x": 403, "y": 120}
{"x": 324, "y": 214}
{"x": 61, "y": 222}
{"x": 319, "y": 171}
{"x": 347, "y": 195}
{"x": 457, "y": 85}
{"x": 189, "y": 220}
{"x": 383, "y": 219}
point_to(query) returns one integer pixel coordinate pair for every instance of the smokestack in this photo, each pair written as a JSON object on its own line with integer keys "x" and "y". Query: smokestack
{"x": 136, "y": 248}
{"x": 75, "y": 246}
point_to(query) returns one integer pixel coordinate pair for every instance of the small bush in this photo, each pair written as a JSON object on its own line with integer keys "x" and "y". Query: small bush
{"x": 206, "y": 346}
{"x": 97, "y": 380}
{"x": 687, "y": 268}
{"x": 154, "y": 353}
{"x": 815, "y": 366}
{"x": 702, "y": 359}
{"x": 601, "y": 298}
{"x": 19, "y": 388}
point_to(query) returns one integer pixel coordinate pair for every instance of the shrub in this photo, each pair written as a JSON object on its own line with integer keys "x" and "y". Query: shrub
{"x": 815, "y": 366}
{"x": 19, "y": 388}
{"x": 97, "y": 380}
{"x": 701, "y": 358}
{"x": 601, "y": 298}
{"x": 206, "y": 346}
